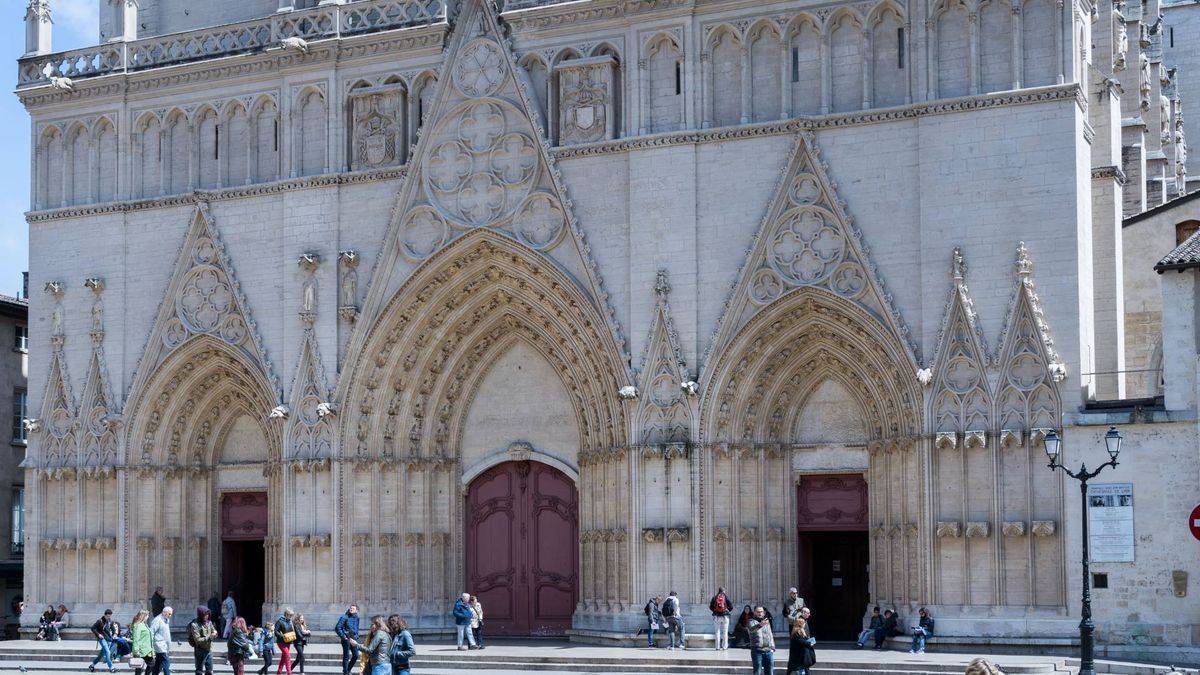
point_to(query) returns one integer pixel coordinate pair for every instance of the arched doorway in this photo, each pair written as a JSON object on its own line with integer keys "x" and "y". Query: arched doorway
{"x": 522, "y": 548}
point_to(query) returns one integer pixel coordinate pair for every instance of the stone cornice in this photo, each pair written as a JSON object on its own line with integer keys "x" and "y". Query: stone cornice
{"x": 1111, "y": 172}
{"x": 331, "y": 50}
{"x": 257, "y": 190}
{"x": 573, "y": 13}
{"x": 813, "y": 123}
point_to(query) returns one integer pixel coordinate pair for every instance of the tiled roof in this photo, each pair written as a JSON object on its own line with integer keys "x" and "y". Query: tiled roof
{"x": 1182, "y": 257}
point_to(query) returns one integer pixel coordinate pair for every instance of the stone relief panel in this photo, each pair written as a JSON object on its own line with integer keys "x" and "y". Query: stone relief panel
{"x": 377, "y": 135}
{"x": 586, "y": 100}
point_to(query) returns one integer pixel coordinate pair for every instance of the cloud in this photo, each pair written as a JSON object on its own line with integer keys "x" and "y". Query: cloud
{"x": 76, "y": 23}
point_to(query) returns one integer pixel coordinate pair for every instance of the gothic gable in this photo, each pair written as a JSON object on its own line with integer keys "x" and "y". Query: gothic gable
{"x": 311, "y": 435}
{"x": 962, "y": 399}
{"x": 99, "y": 422}
{"x": 1030, "y": 366}
{"x": 482, "y": 162}
{"x": 58, "y": 413}
{"x": 665, "y": 413}
{"x": 203, "y": 298}
{"x": 806, "y": 239}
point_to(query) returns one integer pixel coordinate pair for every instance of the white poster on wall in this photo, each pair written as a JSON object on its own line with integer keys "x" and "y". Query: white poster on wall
{"x": 1110, "y": 522}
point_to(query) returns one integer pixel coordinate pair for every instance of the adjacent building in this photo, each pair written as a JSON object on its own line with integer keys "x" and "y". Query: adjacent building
{"x": 571, "y": 304}
{"x": 14, "y": 369}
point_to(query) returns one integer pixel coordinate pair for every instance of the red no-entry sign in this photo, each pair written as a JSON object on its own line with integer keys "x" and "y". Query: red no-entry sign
{"x": 1194, "y": 522}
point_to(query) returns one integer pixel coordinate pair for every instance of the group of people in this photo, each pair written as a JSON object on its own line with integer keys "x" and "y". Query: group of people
{"x": 51, "y": 623}
{"x": 886, "y": 625}
{"x": 387, "y": 649}
{"x": 754, "y": 629}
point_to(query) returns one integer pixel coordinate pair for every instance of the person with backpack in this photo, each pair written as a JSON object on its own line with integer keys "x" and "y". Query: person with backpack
{"x": 672, "y": 611}
{"x": 654, "y": 619}
{"x": 102, "y": 631}
{"x": 201, "y": 633}
{"x": 721, "y": 607}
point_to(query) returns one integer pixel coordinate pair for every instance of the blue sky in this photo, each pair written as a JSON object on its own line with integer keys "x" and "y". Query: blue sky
{"x": 75, "y": 25}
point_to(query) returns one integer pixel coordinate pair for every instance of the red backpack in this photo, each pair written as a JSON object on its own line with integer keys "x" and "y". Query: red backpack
{"x": 722, "y": 606}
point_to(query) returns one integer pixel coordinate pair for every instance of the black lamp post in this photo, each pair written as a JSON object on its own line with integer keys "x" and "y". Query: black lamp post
{"x": 1112, "y": 440}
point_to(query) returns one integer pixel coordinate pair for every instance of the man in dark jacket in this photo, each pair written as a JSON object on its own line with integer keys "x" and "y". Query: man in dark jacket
{"x": 876, "y": 624}
{"x": 158, "y": 602}
{"x": 201, "y": 633}
{"x": 462, "y": 621}
{"x": 347, "y": 631}
{"x": 214, "y": 612}
{"x": 654, "y": 619}
{"x": 721, "y": 607}
{"x": 102, "y": 631}
{"x": 888, "y": 629}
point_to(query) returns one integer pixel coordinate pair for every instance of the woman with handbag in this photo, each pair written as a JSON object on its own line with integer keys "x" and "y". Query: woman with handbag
{"x": 403, "y": 647}
{"x": 141, "y": 656}
{"x": 240, "y": 645}
{"x": 302, "y": 633}
{"x": 801, "y": 652}
{"x": 285, "y": 637}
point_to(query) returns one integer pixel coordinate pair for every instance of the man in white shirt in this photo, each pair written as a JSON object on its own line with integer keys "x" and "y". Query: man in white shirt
{"x": 160, "y": 634}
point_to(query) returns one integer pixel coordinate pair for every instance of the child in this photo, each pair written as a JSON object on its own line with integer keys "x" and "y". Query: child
{"x": 264, "y": 643}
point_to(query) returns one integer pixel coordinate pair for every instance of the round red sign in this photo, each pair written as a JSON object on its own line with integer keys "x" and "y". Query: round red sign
{"x": 1194, "y": 522}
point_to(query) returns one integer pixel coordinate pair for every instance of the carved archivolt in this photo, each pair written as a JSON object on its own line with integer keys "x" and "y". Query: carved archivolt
{"x": 410, "y": 388}
{"x": 756, "y": 385}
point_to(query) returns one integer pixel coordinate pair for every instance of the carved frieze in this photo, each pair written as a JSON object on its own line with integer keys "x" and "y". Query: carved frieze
{"x": 586, "y": 100}
{"x": 978, "y": 530}
{"x": 1043, "y": 528}
{"x": 1013, "y": 528}
{"x": 948, "y": 529}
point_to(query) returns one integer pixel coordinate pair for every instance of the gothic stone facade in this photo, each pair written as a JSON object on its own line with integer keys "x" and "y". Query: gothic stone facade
{"x": 694, "y": 256}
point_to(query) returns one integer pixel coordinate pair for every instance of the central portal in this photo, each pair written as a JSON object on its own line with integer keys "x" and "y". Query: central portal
{"x": 522, "y": 548}
{"x": 243, "y": 559}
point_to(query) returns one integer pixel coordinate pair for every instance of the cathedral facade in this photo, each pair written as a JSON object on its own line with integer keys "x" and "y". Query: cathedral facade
{"x": 572, "y": 304}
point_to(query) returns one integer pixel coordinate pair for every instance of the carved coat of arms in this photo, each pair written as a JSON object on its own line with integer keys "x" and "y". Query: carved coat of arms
{"x": 375, "y": 133}
{"x": 584, "y": 112}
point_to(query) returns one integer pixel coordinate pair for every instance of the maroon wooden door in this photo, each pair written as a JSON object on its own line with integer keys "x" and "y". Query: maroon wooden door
{"x": 522, "y": 548}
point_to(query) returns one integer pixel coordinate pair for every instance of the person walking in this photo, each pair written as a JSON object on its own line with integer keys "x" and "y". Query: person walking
{"x": 403, "y": 648}
{"x": 378, "y": 648}
{"x": 762, "y": 643}
{"x": 462, "y": 621}
{"x": 875, "y": 624}
{"x": 214, "y": 611}
{"x": 791, "y": 606}
{"x": 347, "y": 631}
{"x": 160, "y": 632}
{"x": 265, "y": 641}
{"x": 302, "y": 635}
{"x": 921, "y": 632}
{"x": 285, "y": 637}
{"x": 721, "y": 607}
{"x": 141, "y": 643}
{"x": 672, "y": 612}
{"x": 654, "y": 620}
{"x": 239, "y": 645}
{"x": 158, "y": 602}
{"x": 228, "y": 613}
{"x": 741, "y": 632}
{"x": 201, "y": 633}
{"x": 102, "y": 631}
{"x": 801, "y": 652}
{"x": 477, "y": 621}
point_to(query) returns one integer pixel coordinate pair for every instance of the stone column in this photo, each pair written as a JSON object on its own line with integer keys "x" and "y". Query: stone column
{"x": 785, "y": 77}
{"x": 1017, "y": 45}
{"x": 973, "y": 58}
{"x": 826, "y": 75}
{"x": 747, "y": 111}
{"x": 643, "y": 71}
{"x": 706, "y": 88}
{"x": 868, "y": 69}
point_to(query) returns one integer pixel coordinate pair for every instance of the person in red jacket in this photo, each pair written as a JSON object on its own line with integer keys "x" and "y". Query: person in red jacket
{"x": 721, "y": 607}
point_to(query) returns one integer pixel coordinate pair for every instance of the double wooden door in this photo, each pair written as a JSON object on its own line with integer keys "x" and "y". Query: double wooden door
{"x": 522, "y": 537}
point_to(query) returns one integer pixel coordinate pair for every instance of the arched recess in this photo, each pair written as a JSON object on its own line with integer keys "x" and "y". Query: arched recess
{"x": 889, "y": 72}
{"x": 953, "y": 45}
{"x": 764, "y": 48}
{"x": 201, "y": 400}
{"x": 411, "y": 383}
{"x": 50, "y": 169}
{"x": 804, "y": 65}
{"x": 846, "y": 62}
{"x": 539, "y": 79}
{"x": 662, "y": 88}
{"x": 753, "y": 394}
{"x": 726, "y": 53}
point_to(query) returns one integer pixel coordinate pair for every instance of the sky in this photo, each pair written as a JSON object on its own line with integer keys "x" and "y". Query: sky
{"x": 76, "y": 24}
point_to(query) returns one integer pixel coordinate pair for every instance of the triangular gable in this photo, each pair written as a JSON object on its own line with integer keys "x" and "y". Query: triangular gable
{"x": 664, "y": 411}
{"x": 482, "y": 161}
{"x": 311, "y": 434}
{"x": 962, "y": 397}
{"x": 203, "y": 298}
{"x": 58, "y": 413}
{"x": 806, "y": 239}
{"x": 98, "y": 441}
{"x": 1030, "y": 365}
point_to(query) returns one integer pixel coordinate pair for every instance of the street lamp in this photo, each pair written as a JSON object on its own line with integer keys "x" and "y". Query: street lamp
{"x": 1112, "y": 442}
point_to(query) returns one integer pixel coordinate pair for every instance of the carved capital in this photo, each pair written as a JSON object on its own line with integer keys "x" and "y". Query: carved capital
{"x": 978, "y": 529}
{"x": 975, "y": 439}
{"x": 948, "y": 529}
{"x": 1013, "y": 528}
{"x": 1043, "y": 528}
{"x": 945, "y": 440}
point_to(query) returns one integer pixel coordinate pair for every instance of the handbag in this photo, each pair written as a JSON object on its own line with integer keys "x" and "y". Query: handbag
{"x": 289, "y": 637}
{"x": 137, "y": 662}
